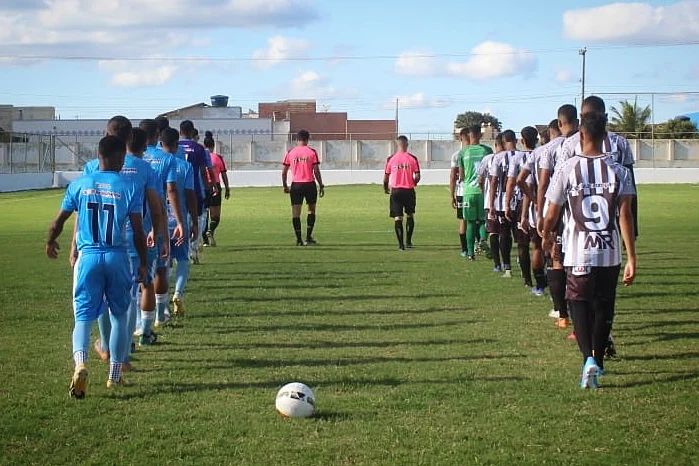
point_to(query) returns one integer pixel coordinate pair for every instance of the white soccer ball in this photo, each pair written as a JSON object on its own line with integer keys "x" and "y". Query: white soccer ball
{"x": 296, "y": 400}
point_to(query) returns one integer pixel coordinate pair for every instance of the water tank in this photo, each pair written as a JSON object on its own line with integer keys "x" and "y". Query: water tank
{"x": 219, "y": 101}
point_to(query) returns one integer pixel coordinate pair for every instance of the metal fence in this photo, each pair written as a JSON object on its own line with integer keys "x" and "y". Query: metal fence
{"x": 27, "y": 153}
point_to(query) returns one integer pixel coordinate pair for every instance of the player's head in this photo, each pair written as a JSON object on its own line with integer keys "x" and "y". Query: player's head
{"x": 594, "y": 104}
{"x": 554, "y": 130}
{"x": 464, "y": 136}
{"x": 162, "y": 123}
{"x": 169, "y": 139}
{"x": 187, "y": 129}
{"x": 509, "y": 139}
{"x": 137, "y": 144}
{"x": 544, "y": 137}
{"x": 529, "y": 137}
{"x": 499, "y": 144}
{"x": 195, "y": 135}
{"x": 111, "y": 152}
{"x": 567, "y": 119}
{"x": 209, "y": 142}
{"x": 302, "y": 137}
{"x": 402, "y": 142}
{"x": 593, "y": 127}
{"x": 150, "y": 127}
{"x": 120, "y": 127}
{"x": 474, "y": 134}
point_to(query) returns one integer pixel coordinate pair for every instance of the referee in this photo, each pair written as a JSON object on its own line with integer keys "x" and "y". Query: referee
{"x": 401, "y": 175}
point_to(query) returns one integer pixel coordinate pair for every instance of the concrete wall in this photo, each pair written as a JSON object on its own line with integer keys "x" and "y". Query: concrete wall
{"x": 26, "y": 181}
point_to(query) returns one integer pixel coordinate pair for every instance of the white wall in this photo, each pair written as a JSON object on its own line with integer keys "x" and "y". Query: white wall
{"x": 25, "y": 181}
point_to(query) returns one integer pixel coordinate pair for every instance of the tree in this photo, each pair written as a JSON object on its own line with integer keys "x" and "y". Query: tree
{"x": 630, "y": 119}
{"x": 677, "y": 128}
{"x": 469, "y": 118}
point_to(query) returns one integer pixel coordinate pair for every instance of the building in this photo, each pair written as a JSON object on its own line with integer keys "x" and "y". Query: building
{"x": 218, "y": 109}
{"x": 9, "y": 114}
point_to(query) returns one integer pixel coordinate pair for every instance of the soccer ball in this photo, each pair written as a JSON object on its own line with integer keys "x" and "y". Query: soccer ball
{"x": 295, "y": 400}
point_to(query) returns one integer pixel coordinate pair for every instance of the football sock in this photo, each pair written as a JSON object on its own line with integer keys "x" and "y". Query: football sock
{"x": 399, "y": 233}
{"x": 119, "y": 343}
{"x": 557, "y": 288}
{"x": 147, "y": 321}
{"x": 603, "y": 310}
{"x": 462, "y": 239}
{"x": 525, "y": 263}
{"x": 214, "y": 224}
{"x": 471, "y": 237}
{"x": 81, "y": 341}
{"x": 583, "y": 321}
{"x": 540, "y": 278}
{"x": 410, "y": 227}
{"x": 138, "y": 314}
{"x": 310, "y": 222}
{"x": 506, "y": 249}
{"x": 296, "y": 221}
{"x": 115, "y": 369}
{"x": 105, "y": 328}
{"x": 181, "y": 276}
{"x": 160, "y": 306}
{"x": 495, "y": 249}
{"x": 482, "y": 234}
{"x": 131, "y": 317}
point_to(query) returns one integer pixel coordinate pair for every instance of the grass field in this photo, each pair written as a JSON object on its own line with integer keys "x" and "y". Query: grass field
{"x": 416, "y": 357}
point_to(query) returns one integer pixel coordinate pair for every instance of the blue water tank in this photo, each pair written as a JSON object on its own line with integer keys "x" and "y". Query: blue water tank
{"x": 219, "y": 101}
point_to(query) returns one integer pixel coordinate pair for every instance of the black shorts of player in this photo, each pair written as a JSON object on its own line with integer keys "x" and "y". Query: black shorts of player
{"x": 402, "y": 200}
{"x": 492, "y": 226}
{"x": 303, "y": 191}
{"x": 598, "y": 284}
{"x": 214, "y": 201}
{"x": 460, "y": 207}
{"x": 534, "y": 237}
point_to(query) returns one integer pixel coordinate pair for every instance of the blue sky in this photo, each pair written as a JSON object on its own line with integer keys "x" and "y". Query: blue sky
{"x": 515, "y": 60}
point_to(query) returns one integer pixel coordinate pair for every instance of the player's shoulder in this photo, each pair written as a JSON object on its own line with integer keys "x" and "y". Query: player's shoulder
{"x": 413, "y": 156}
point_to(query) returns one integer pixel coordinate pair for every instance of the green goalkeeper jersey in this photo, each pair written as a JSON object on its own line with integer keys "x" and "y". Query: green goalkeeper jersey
{"x": 470, "y": 159}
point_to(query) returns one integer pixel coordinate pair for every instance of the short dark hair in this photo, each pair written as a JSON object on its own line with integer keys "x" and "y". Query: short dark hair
{"x": 111, "y": 147}
{"x": 568, "y": 113}
{"x": 402, "y": 138}
{"x": 162, "y": 123}
{"x": 498, "y": 139}
{"x": 464, "y": 132}
{"x": 509, "y": 136}
{"x": 595, "y": 125}
{"x": 120, "y": 126}
{"x": 303, "y": 135}
{"x": 138, "y": 141}
{"x": 595, "y": 102}
{"x": 530, "y": 136}
{"x": 150, "y": 127}
{"x": 209, "y": 142}
{"x": 187, "y": 127}
{"x": 475, "y": 130}
{"x": 553, "y": 124}
{"x": 169, "y": 137}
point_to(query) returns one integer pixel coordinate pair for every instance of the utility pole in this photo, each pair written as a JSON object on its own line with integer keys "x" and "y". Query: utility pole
{"x": 583, "y": 52}
{"x": 396, "y": 116}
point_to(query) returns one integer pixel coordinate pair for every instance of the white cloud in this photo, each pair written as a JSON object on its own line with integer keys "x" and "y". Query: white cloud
{"x": 491, "y": 60}
{"x": 311, "y": 85}
{"x": 139, "y": 74}
{"x": 416, "y": 63}
{"x": 280, "y": 48}
{"x": 564, "y": 75}
{"x": 416, "y": 101}
{"x": 632, "y": 23}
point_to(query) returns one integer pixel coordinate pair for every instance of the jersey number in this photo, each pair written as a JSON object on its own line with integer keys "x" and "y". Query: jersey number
{"x": 95, "y": 225}
{"x": 595, "y": 209}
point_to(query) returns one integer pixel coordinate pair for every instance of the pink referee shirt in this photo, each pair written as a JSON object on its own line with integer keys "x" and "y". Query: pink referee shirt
{"x": 301, "y": 159}
{"x": 401, "y": 168}
{"x": 219, "y": 166}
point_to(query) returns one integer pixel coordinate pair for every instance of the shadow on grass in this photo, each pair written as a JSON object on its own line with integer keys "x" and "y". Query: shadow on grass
{"x": 661, "y": 357}
{"x": 226, "y": 277}
{"x": 321, "y": 327}
{"x": 673, "y": 377}
{"x": 633, "y": 326}
{"x": 662, "y": 311}
{"x": 314, "y": 299}
{"x": 325, "y": 312}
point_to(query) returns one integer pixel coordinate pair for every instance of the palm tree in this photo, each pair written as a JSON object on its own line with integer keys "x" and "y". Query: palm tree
{"x": 630, "y": 119}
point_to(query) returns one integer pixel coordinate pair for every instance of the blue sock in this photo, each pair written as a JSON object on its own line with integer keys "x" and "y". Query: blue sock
{"x": 132, "y": 318}
{"x": 105, "y": 329}
{"x": 182, "y": 275}
{"x": 81, "y": 341}
{"x": 119, "y": 342}
{"x": 160, "y": 306}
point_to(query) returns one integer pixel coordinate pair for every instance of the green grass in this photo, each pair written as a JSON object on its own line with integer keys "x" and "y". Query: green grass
{"x": 415, "y": 358}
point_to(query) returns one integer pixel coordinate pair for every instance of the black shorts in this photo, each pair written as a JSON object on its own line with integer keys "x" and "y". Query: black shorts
{"x": 460, "y": 207}
{"x": 214, "y": 201}
{"x": 402, "y": 200}
{"x": 300, "y": 191}
{"x": 492, "y": 226}
{"x": 599, "y": 284}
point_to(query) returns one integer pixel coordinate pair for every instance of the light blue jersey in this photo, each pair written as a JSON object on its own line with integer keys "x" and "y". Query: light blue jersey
{"x": 185, "y": 181}
{"x": 162, "y": 163}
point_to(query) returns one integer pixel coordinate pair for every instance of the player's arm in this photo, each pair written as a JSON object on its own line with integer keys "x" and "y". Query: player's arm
{"x": 626, "y": 223}
{"x": 524, "y": 215}
{"x": 417, "y": 177}
{"x": 192, "y": 208}
{"x": 285, "y": 171}
{"x": 55, "y": 230}
{"x": 73, "y": 244}
{"x": 493, "y": 180}
{"x": 452, "y": 185}
{"x": 509, "y": 189}
{"x": 224, "y": 177}
{"x": 385, "y": 183}
{"x": 544, "y": 179}
{"x": 523, "y": 185}
{"x": 321, "y": 186}
{"x": 174, "y": 200}
{"x": 139, "y": 242}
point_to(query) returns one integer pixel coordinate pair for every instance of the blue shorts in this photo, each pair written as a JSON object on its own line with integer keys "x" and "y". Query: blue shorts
{"x": 180, "y": 253}
{"x": 100, "y": 276}
{"x": 152, "y": 257}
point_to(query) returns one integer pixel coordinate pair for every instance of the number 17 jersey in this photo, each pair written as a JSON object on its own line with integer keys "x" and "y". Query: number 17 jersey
{"x": 103, "y": 200}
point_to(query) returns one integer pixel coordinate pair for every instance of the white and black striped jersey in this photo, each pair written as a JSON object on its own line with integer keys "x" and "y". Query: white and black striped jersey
{"x": 483, "y": 173}
{"x": 531, "y": 164}
{"x": 616, "y": 145}
{"x": 459, "y": 188}
{"x": 589, "y": 188}
{"x": 500, "y": 168}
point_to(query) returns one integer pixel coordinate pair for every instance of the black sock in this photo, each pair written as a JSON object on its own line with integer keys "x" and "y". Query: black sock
{"x": 557, "y": 288}
{"x": 583, "y": 322}
{"x": 399, "y": 233}
{"x": 410, "y": 227}
{"x": 506, "y": 249}
{"x": 495, "y": 249}
{"x": 213, "y": 224}
{"x": 462, "y": 238}
{"x": 297, "y": 228}
{"x": 525, "y": 263}
{"x": 310, "y": 222}
{"x": 603, "y": 312}
{"x": 540, "y": 278}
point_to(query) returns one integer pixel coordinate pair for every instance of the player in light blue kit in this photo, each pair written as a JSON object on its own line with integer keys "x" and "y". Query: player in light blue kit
{"x": 188, "y": 198}
{"x": 104, "y": 201}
